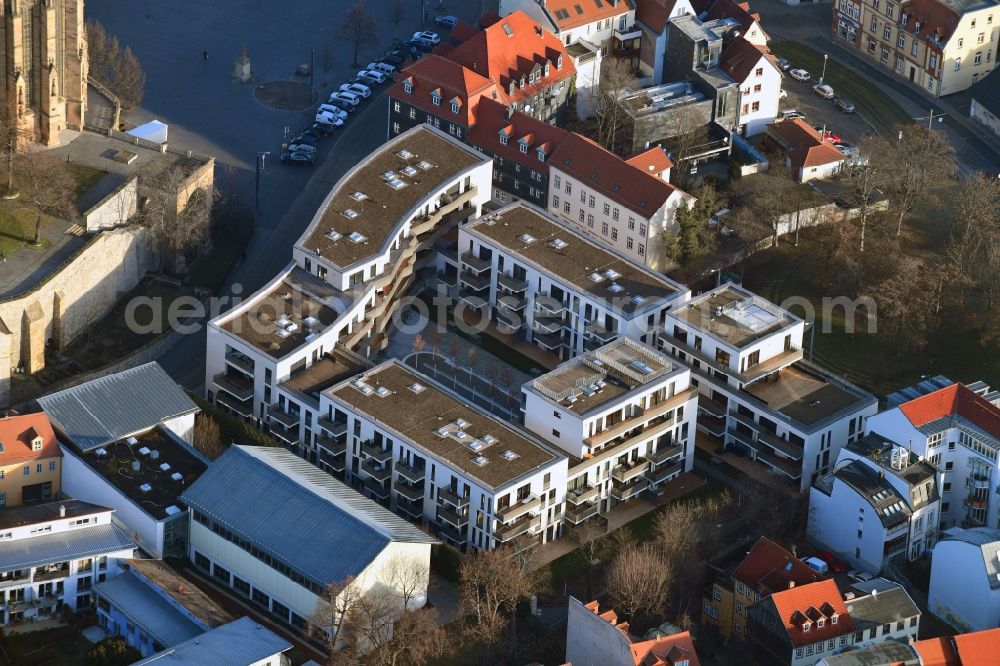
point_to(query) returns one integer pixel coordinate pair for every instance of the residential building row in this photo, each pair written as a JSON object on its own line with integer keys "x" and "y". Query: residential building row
{"x": 969, "y": 649}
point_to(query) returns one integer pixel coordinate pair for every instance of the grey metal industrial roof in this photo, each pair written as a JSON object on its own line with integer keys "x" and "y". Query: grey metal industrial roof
{"x": 988, "y": 542}
{"x": 238, "y": 643}
{"x": 110, "y": 408}
{"x": 297, "y": 513}
{"x": 881, "y": 608}
{"x": 148, "y": 609}
{"x": 61, "y": 546}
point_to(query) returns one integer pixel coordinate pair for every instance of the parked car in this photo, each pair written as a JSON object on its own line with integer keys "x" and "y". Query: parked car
{"x": 310, "y": 139}
{"x": 394, "y": 58}
{"x": 326, "y": 128}
{"x": 816, "y": 564}
{"x": 381, "y": 67}
{"x": 371, "y": 77}
{"x": 784, "y": 64}
{"x": 782, "y": 94}
{"x": 843, "y": 202}
{"x": 823, "y": 90}
{"x": 799, "y": 74}
{"x": 446, "y": 21}
{"x": 836, "y": 565}
{"x": 302, "y": 148}
{"x": 846, "y": 150}
{"x": 428, "y": 35}
{"x": 860, "y": 576}
{"x": 792, "y": 114}
{"x": 356, "y": 88}
{"x": 844, "y": 105}
{"x": 726, "y": 231}
{"x": 331, "y": 110}
{"x": 298, "y": 158}
{"x": 418, "y": 44}
{"x": 829, "y": 135}
{"x": 346, "y": 97}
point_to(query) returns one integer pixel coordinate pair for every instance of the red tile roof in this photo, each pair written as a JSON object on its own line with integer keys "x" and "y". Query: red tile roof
{"x": 602, "y": 171}
{"x": 509, "y": 50}
{"x": 492, "y": 119}
{"x": 936, "y": 652}
{"x": 665, "y": 651}
{"x": 654, "y": 13}
{"x": 434, "y": 72}
{"x": 805, "y": 605}
{"x": 803, "y": 145}
{"x": 17, "y": 433}
{"x": 769, "y": 568}
{"x": 608, "y": 616}
{"x": 936, "y": 19}
{"x": 979, "y": 648}
{"x": 463, "y": 31}
{"x": 740, "y": 58}
{"x": 954, "y": 400}
{"x": 653, "y": 161}
{"x": 740, "y": 11}
{"x": 573, "y": 13}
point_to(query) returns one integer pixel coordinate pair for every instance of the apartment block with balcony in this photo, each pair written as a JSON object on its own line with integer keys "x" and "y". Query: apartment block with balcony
{"x": 371, "y": 239}
{"x": 965, "y": 578}
{"x": 541, "y": 281}
{"x": 879, "y": 504}
{"x": 475, "y": 480}
{"x": 940, "y": 46}
{"x": 955, "y": 428}
{"x": 624, "y": 414}
{"x": 53, "y": 554}
{"x": 30, "y": 460}
{"x": 758, "y": 393}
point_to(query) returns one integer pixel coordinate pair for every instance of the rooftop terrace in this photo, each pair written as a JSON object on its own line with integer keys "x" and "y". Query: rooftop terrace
{"x": 805, "y": 396}
{"x": 297, "y": 306}
{"x": 477, "y": 444}
{"x": 165, "y": 469}
{"x": 21, "y": 516}
{"x": 600, "y": 377}
{"x": 561, "y": 252}
{"x": 734, "y": 316}
{"x": 323, "y": 374}
{"x": 368, "y": 203}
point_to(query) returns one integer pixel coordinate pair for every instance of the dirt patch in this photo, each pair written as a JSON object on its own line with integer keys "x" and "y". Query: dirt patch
{"x": 285, "y": 95}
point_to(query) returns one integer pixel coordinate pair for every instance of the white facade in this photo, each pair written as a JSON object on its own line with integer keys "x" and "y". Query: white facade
{"x": 759, "y": 97}
{"x": 654, "y": 44}
{"x": 965, "y": 579}
{"x": 44, "y": 588}
{"x": 592, "y": 640}
{"x": 632, "y": 232}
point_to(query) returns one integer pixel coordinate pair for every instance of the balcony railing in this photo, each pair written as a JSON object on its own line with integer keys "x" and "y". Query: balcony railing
{"x": 334, "y": 447}
{"x": 511, "y": 303}
{"x": 509, "y": 513}
{"x": 412, "y": 493}
{"x": 522, "y": 525}
{"x": 627, "y": 491}
{"x": 375, "y": 470}
{"x": 279, "y": 414}
{"x": 16, "y": 580}
{"x": 449, "y": 278}
{"x": 665, "y": 453}
{"x": 240, "y": 389}
{"x": 550, "y": 342}
{"x": 625, "y": 473}
{"x": 578, "y": 514}
{"x": 474, "y": 263}
{"x": 289, "y": 436}
{"x": 241, "y": 408}
{"x": 453, "y": 518}
{"x": 661, "y": 473}
{"x": 410, "y": 473}
{"x": 62, "y": 572}
{"x": 455, "y": 536}
{"x": 412, "y": 510}
{"x": 713, "y": 407}
{"x": 549, "y": 306}
{"x": 377, "y": 489}
{"x": 448, "y": 497}
{"x": 780, "y": 445}
{"x": 547, "y": 325}
{"x": 582, "y": 495}
{"x": 511, "y": 284}
{"x": 475, "y": 282}
{"x": 333, "y": 427}
{"x": 336, "y": 462}
{"x": 376, "y": 452}
{"x": 240, "y": 362}
{"x": 787, "y": 467}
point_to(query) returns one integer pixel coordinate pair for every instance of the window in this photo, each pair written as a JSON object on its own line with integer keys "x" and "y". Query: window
{"x": 739, "y": 628}
{"x": 628, "y": 243}
{"x": 949, "y": 465}
{"x": 407, "y": 87}
{"x": 38, "y": 468}
{"x": 581, "y": 217}
{"x": 960, "y": 43}
{"x": 739, "y": 608}
{"x": 717, "y": 594}
{"x": 413, "y": 114}
{"x": 614, "y": 214}
{"x": 590, "y": 219}
{"x": 436, "y": 100}
{"x": 27, "y": 470}
{"x": 524, "y": 147}
{"x": 755, "y": 106}
{"x": 569, "y": 187}
{"x": 874, "y": 24}
{"x": 395, "y": 107}
{"x": 607, "y": 209}
{"x": 947, "y": 486}
{"x": 503, "y": 139}
{"x": 979, "y": 58}
{"x": 556, "y": 182}
{"x": 711, "y": 611}
{"x": 913, "y": 48}
{"x": 885, "y": 55}
{"x": 900, "y": 40}
{"x": 454, "y": 107}
{"x": 36, "y": 445}
{"x": 555, "y": 202}
{"x": 565, "y": 206}
{"x": 614, "y": 233}
{"x": 555, "y": 433}
{"x": 759, "y": 72}
{"x": 890, "y": 10}
{"x": 642, "y": 230}
{"x": 604, "y": 228}
{"x": 933, "y": 61}
{"x": 642, "y": 250}
{"x": 887, "y": 33}
{"x": 876, "y": 3}
{"x": 591, "y": 203}
{"x": 798, "y": 653}
{"x": 958, "y": 64}
{"x": 757, "y": 88}
{"x": 871, "y": 46}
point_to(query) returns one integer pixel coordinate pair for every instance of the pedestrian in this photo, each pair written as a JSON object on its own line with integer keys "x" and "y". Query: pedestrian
{"x": 204, "y": 54}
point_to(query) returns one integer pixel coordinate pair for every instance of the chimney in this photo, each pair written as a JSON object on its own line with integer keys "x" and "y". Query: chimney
{"x": 794, "y": 553}
{"x": 62, "y": 510}
{"x": 791, "y": 584}
{"x": 180, "y": 588}
{"x": 534, "y": 605}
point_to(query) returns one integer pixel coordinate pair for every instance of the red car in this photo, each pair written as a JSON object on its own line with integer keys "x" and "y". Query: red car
{"x": 830, "y": 136}
{"x": 835, "y": 565}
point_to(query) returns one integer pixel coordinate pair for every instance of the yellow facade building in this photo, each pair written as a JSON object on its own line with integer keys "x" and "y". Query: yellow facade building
{"x": 30, "y": 460}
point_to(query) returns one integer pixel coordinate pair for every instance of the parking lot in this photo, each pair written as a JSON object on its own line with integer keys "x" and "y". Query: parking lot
{"x": 818, "y": 111}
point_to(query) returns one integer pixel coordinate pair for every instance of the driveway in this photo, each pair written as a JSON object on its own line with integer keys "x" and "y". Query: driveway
{"x": 819, "y": 111}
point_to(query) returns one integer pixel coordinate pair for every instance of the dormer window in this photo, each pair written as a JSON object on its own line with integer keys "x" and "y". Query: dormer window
{"x": 546, "y": 69}
{"x": 819, "y": 623}
{"x": 36, "y": 444}
{"x": 408, "y": 86}
{"x": 541, "y": 155}
{"x": 436, "y": 99}
{"x": 503, "y": 139}
{"x": 521, "y": 84}
{"x": 833, "y": 618}
{"x": 454, "y": 107}
{"x": 510, "y": 88}
{"x": 524, "y": 147}
{"x": 806, "y": 626}
{"x": 559, "y": 62}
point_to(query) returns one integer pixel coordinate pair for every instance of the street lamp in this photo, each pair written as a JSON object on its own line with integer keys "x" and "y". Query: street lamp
{"x": 823, "y": 75}
{"x": 261, "y": 156}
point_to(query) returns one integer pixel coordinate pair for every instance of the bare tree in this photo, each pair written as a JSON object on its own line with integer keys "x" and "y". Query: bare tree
{"x": 369, "y": 621}
{"x": 333, "y": 606}
{"x": 397, "y": 12}
{"x": 408, "y": 576}
{"x": 639, "y": 580}
{"x": 610, "y": 117}
{"x": 689, "y": 132}
{"x": 171, "y": 230}
{"x": 13, "y": 138}
{"x": 864, "y": 182}
{"x": 917, "y": 163}
{"x": 588, "y": 538}
{"x": 906, "y": 305}
{"x": 116, "y": 68}
{"x": 49, "y": 188}
{"x": 975, "y": 228}
{"x": 491, "y": 585}
{"x": 129, "y": 82}
{"x": 416, "y": 640}
{"x": 358, "y": 26}
{"x": 772, "y": 193}
{"x": 419, "y": 344}
{"x": 208, "y": 436}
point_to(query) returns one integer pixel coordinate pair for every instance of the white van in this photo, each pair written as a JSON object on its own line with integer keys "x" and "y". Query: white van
{"x": 817, "y": 565}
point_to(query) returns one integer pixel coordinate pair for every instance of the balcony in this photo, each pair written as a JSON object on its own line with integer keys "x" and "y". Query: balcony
{"x": 376, "y": 452}
{"x": 665, "y": 453}
{"x": 377, "y": 489}
{"x": 333, "y": 447}
{"x": 742, "y": 438}
{"x": 781, "y": 465}
{"x": 980, "y": 482}
{"x": 244, "y": 409}
{"x": 660, "y": 474}
{"x": 511, "y": 303}
{"x": 599, "y": 333}
{"x": 626, "y": 473}
{"x": 453, "y": 518}
{"x": 627, "y": 491}
{"x": 452, "y": 535}
{"x": 412, "y": 493}
{"x": 240, "y": 361}
{"x": 712, "y": 425}
{"x": 644, "y": 419}
{"x": 546, "y": 325}
{"x": 412, "y": 510}
{"x": 285, "y": 418}
{"x": 511, "y": 284}
{"x": 474, "y": 263}
{"x": 712, "y": 407}
{"x": 50, "y": 574}
{"x": 289, "y": 436}
{"x": 449, "y": 278}
{"x": 508, "y": 327}
{"x": 577, "y": 514}
{"x": 782, "y": 446}
{"x": 582, "y": 495}
{"x": 746, "y": 420}
{"x": 336, "y": 462}
{"x": 376, "y": 471}
{"x": 522, "y": 525}
{"x": 449, "y": 497}
{"x": 629, "y": 33}
{"x": 475, "y": 282}
{"x": 410, "y": 473}
{"x": 337, "y": 429}
{"x": 530, "y": 503}
{"x": 241, "y": 389}
{"x": 550, "y": 342}
{"x": 21, "y": 579}
{"x": 549, "y": 306}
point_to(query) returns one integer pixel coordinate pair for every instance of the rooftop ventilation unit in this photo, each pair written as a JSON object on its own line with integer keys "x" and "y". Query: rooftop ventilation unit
{"x": 596, "y": 277}
{"x": 136, "y": 465}
{"x": 527, "y": 239}
{"x": 410, "y": 171}
{"x": 461, "y": 423}
{"x": 638, "y": 299}
{"x": 425, "y": 165}
{"x": 357, "y": 237}
{"x": 396, "y": 184}
{"x": 489, "y": 439}
{"x": 417, "y": 387}
{"x": 612, "y": 274}
{"x": 558, "y": 243}
{"x": 171, "y": 510}
{"x": 177, "y": 476}
{"x": 145, "y": 487}
{"x": 404, "y": 154}
{"x": 310, "y": 321}
{"x": 383, "y": 392}
{"x": 154, "y": 454}
{"x": 292, "y": 327}
{"x": 165, "y": 467}
{"x": 460, "y": 434}
{"x": 616, "y": 288}
{"x": 282, "y": 333}
{"x": 476, "y": 446}
{"x": 359, "y": 196}
{"x": 641, "y": 367}
{"x": 480, "y": 460}
{"x": 441, "y": 432}
{"x": 350, "y": 213}
{"x": 333, "y": 235}
{"x": 144, "y": 451}
{"x": 100, "y": 453}
{"x": 509, "y": 455}
{"x": 367, "y": 390}
{"x": 132, "y": 440}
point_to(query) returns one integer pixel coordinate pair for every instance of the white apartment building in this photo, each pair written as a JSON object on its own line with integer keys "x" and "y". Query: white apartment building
{"x": 541, "y": 281}
{"x": 880, "y": 503}
{"x": 965, "y": 578}
{"x": 369, "y": 241}
{"x": 957, "y": 430}
{"x": 623, "y": 209}
{"x": 277, "y": 531}
{"x": 52, "y": 555}
{"x": 475, "y": 480}
{"x": 757, "y": 391}
{"x": 759, "y": 79}
{"x": 624, "y": 414}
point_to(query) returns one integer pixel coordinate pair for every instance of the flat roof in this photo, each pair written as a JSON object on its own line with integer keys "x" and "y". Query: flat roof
{"x": 529, "y": 233}
{"x": 600, "y": 377}
{"x": 178, "y": 588}
{"x": 390, "y": 182}
{"x": 441, "y": 424}
{"x": 804, "y": 395}
{"x": 144, "y": 606}
{"x": 323, "y": 374}
{"x": 151, "y": 487}
{"x": 21, "y": 516}
{"x": 295, "y": 306}
{"x": 734, "y": 315}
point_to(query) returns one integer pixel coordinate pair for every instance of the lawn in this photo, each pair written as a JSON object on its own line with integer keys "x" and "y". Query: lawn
{"x": 60, "y": 646}
{"x": 869, "y": 100}
{"x": 17, "y": 227}
{"x": 85, "y": 177}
